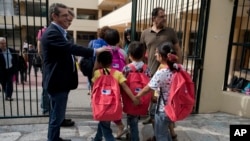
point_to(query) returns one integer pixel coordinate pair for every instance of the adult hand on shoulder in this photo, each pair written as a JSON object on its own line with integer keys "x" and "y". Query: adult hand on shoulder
{"x": 99, "y": 50}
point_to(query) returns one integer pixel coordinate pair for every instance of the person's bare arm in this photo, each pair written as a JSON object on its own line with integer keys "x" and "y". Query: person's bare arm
{"x": 144, "y": 91}
{"x": 129, "y": 93}
{"x": 39, "y": 48}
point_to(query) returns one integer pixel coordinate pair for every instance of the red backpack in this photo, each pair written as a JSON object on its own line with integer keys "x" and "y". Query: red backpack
{"x": 181, "y": 98}
{"x": 106, "y": 98}
{"x": 136, "y": 80}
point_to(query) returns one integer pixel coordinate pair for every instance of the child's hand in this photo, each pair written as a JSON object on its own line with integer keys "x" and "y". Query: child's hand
{"x": 136, "y": 101}
{"x": 137, "y": 97}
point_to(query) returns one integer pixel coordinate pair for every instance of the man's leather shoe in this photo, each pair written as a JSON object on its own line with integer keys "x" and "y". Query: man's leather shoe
{"x": 9, "y": 99}
{"x": 67, "y": 123}
{"x": 67, "y": 120}
{"x": 60, "y": 139}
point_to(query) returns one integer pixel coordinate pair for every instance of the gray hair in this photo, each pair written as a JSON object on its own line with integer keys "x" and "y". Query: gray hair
{"x": 2, "y": 39}
{"x": 71, "y": 12}
{"x": 54, "y": 9}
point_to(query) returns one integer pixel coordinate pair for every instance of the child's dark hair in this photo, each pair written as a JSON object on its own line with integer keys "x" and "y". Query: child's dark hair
{"x": 136, "y": 49}
{"x": 105, "y": 59}
{"x": 102, "y": 31}
{"x": 164, "y": 49}
{"x": 112, "y": 37}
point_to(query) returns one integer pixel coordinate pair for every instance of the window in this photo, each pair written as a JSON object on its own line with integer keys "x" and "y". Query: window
{"x": 83, "y": 38}
{"x": 30, "y": 9}
{"x": 87, "y": 14}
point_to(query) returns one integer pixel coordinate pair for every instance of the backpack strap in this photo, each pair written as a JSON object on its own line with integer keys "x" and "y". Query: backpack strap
{"x": 158, "y": 103}
{"x": 133, "y": 69}
{"x": 105, "y": 71}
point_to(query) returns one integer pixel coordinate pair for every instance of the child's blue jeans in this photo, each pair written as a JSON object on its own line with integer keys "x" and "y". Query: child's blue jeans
{"x": 162, "y": 122}
{"x": 105, "y": 131}
{"x": 133, "y": 124}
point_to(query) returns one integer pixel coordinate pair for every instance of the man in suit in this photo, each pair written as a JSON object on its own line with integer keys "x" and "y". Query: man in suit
{"x": 69, "y": 122}
{"x": 60, "y": 73}
{"x": 8, "y": 67}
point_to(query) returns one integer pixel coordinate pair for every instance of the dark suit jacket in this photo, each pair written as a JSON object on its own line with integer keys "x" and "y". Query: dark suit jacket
{"x": 3, "y": 64}
{"x": 59, "y": 75}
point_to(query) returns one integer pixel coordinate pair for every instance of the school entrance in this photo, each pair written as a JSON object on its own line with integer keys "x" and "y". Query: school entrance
{"x": 189, "y": 19}
{"x": 21, "y": 21}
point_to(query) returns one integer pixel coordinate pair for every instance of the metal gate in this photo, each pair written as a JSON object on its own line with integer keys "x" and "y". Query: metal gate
{"x": 20, "y": 22}
{"x": 238, "y": 56}
{"x": 189, "y": 18}
{"x": 22, "y": 19}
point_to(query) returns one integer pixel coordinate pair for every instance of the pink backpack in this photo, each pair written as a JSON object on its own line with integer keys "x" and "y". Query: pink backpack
{"x": 136, "y": 81}
{"x": 118, "y": 61}
{"x": 181, "y": 98}
{"x": 106, "y": 98}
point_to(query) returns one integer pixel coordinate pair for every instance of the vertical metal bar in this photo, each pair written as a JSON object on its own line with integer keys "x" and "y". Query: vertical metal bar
{"x": 245, "y": 47}
{"x": 139, "y": 21}
{"x": 20, "y": 34}
{"x": 203, "y": 25}
{"x": 230, "y": 45}
{"x": 164, "y": 6}
{"x": 133, "y": 20}
{"x": 180, "y": 29}
{"x": 241, "y": 57}
{"x": 145, "y": 14}
{"x": 14, "y": 45}
{"x": 47, "y": 13}
{"x": 167, "y": 15}
{"x": 7, "y": 45}
{"x": 150, "y": 17}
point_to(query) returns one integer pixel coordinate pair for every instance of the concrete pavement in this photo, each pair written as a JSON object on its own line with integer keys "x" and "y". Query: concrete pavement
{"x": 198, "y": 127}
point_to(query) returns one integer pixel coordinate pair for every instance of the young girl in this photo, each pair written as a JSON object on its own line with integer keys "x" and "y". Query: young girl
{"x": 104, "y": 61}
{"x": 112, "y": 38}
{"x": 160, "y": 83}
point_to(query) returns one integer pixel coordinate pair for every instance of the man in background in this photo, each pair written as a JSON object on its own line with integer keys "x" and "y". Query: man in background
{"x": 8, "y": 68}
{"x": 152, "y": 38}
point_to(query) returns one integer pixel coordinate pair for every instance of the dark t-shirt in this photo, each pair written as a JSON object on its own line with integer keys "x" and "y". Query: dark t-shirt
{"x": 31, "y": 55}
{"x": 152, "y": 40}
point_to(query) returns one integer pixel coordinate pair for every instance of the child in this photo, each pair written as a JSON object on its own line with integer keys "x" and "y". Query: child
{"x": 160, "y": 82}
{"x": 104, "y": 61}
{"x": 136, "y": 51}
{"x": 120, "y": 59}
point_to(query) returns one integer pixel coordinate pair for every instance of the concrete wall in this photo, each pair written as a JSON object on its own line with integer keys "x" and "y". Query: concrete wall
{"x": 120, "y": 17}
{"x": 213, "y": 98}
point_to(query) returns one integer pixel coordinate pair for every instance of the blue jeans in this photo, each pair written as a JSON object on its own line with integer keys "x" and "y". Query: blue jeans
{"x": 104, "y": 130}
{"x": 45, "y": 102}
{"x": 57, "y": 114}
{"x": 133, "y": 124}
{"x": 162, "y": 122}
